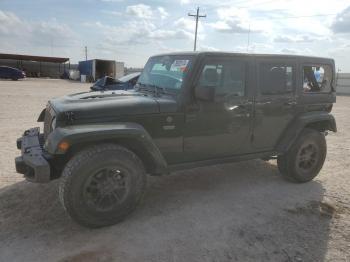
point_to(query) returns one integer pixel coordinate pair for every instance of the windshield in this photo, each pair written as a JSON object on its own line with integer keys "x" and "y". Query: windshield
{"x": 166, "y": 71}
{"x": 100, "y": 82}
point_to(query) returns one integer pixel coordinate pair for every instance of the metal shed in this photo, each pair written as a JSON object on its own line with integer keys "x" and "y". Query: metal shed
{"x": 36, "y": 66}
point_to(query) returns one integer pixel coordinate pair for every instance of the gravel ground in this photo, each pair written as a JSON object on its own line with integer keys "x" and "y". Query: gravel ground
{"x": 235, "y": 212}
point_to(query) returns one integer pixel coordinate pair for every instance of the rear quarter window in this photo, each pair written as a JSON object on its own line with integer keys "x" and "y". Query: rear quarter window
{"x": 317, "y": 78}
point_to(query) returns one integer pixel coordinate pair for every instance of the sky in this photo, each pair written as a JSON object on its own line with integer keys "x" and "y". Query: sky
{"x": 133, "y": 30}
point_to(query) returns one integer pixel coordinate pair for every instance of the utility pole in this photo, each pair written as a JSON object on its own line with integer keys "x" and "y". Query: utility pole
{"x": 85, "y": 53}
{"x": 197, "y": 15}
{"x": 248, "y": 43}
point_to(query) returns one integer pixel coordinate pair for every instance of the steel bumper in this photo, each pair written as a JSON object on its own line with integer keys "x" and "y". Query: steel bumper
{"x": 32, "y": 163}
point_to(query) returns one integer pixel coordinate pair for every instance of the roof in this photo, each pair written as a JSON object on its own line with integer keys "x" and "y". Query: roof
{"x": 196, "y": 53}
{"x": 34, "y": 58}
{"x": 90, "y": 60}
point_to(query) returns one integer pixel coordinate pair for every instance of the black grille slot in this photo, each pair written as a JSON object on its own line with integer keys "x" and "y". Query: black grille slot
{"x": 48, "y": 121}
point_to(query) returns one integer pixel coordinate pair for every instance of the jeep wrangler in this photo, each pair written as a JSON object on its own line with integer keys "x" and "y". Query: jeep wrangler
{"x": 187, "y": 110}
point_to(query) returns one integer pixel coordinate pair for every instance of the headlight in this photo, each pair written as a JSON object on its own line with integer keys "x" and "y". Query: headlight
{"x": 53, "y": 123}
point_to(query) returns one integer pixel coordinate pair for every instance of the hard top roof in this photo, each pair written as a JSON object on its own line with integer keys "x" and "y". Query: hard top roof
{"x": 212, "y": 53}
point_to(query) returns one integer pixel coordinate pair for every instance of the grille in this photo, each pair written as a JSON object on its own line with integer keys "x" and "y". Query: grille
{"x": 49, "y": 114}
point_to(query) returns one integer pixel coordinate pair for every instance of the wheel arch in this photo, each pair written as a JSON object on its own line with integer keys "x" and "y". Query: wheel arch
{"x": 320, "y": 121}
{"x": 129, "y": 135}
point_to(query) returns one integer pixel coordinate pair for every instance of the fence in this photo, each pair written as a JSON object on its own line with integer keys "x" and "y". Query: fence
{"x": 343, "y": 84}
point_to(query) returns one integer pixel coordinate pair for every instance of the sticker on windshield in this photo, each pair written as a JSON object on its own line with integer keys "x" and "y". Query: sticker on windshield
{"x": 179, "y": 65}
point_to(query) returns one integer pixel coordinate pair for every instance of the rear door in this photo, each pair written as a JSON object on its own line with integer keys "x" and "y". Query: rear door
{"x": 275, "y": 102}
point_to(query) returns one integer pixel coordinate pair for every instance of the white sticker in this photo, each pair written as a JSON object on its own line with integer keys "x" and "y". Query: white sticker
{"x": 180, "y": 63}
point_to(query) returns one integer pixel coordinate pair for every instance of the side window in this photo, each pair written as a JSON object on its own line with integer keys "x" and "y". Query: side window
{"x": 317, "y": 79}
{"x": 211, "y": 76}
{"x": 227, "y": 78}
{"x": 276, "y": 79}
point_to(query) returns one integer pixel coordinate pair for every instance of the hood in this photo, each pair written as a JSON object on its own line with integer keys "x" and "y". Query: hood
{"x": 106, "y": 104}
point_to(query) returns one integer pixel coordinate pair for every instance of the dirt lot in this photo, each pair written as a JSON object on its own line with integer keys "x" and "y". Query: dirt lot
{"x": 235, "y": 212}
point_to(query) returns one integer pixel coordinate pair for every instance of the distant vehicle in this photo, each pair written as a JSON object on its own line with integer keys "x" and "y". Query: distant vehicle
{"x": 109, "y": 83}
{"x": 11, "y": 73}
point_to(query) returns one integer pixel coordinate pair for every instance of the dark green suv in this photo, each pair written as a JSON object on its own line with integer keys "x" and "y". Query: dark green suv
{"x": 187, "y": 110}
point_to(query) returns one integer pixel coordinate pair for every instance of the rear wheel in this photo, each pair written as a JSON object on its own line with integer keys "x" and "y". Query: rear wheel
{"x": 101, "y": 185}
{"x": 305, "y": 158}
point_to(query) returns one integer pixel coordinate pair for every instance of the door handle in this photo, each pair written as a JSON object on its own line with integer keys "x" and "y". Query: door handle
{"x": 263, "y": 103}
{"x": 240, "y": 114}
{"x": 290, "y": 103}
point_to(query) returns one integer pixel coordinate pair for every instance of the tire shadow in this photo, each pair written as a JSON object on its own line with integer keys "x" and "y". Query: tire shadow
{"x": 234, "y": 212}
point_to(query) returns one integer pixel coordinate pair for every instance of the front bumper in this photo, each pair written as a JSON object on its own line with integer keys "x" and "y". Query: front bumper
{"x": 33, "y": 163}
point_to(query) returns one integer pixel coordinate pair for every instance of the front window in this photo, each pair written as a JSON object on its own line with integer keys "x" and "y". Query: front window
{"x": 227, "y": 77}
{"x": 166, "y": 71}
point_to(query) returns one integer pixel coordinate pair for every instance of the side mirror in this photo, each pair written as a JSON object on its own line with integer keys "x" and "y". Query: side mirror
{"x": 205, "y": 93}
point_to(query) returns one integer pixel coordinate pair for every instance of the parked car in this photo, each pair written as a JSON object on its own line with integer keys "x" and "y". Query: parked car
{"x": 187, "y": 110}
{"x": 109, "y": 83}
{"x": 7, "y": 72}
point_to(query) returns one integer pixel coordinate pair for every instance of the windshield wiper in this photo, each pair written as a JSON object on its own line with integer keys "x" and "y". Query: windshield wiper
{"x": 156, "y": 89}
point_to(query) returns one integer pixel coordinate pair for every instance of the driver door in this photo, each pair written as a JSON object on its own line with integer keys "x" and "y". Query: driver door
{"x": 222, "y": 127}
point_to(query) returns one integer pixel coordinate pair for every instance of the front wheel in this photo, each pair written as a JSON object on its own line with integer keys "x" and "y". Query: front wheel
{"x": 305, "y": 158}
{"x": 101, "y": 185}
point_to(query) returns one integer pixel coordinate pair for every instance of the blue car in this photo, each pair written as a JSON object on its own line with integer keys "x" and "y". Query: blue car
{"x": 109, "y": 83}
{"x": 7, "y": 72}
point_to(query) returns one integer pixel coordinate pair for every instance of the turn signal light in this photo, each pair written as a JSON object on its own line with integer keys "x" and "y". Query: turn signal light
{"x": 63, "y": 146}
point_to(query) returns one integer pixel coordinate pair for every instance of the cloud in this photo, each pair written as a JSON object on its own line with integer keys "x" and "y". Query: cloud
{"x": 110, "y": 12}
{"x": 341, "y": 23}
{"x": 140, "y": 11}
{"x": 43, "y": 32}
{"x": 184, "y": 2}
{"x": 146, "y": 12}
{"x": 9, "y": 21}
{"x": 112, "y": 1}
{"x": 237, "y": 21}
{"x": 207, "y": 48}
{"x": 187, "y": 24}
{"x": 295, "y": 39}
{"x": 293, "y": 51}
{"x": 162, "y": 13}
{"x": 288, "y": 51}
{"x": 140, "y": 32}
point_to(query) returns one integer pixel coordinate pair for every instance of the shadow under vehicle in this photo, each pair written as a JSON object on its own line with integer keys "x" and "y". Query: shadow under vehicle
{"x": 187, "y": 110}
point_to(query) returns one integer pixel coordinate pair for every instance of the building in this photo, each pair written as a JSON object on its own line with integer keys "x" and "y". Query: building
{"x": 343, "y": 83}
{"x": 97, "y": 68}
{"x": 37, "y": 66}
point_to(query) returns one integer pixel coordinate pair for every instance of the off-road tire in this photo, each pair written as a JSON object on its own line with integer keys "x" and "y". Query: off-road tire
{"x": 289, "y": 164}
{"x": 79, "y": 170}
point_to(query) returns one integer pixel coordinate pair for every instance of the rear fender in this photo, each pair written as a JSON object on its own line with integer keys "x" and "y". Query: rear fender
{"x": 130, "y": 135}
{"x": 321, "y": 121}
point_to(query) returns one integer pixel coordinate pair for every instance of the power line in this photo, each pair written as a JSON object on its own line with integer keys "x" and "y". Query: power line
{"x": 197, "y": 15}
{"x": 300, "y": 16}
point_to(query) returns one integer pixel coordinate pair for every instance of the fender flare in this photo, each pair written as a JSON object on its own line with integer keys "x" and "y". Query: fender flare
{"x": 321, "y": 121}
{"x": 130, "y": 135}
